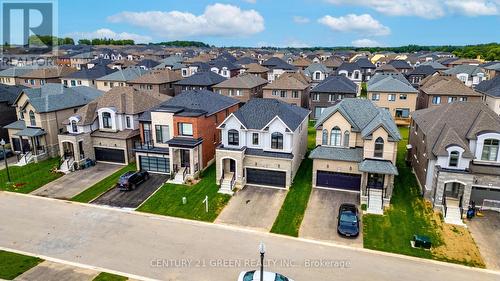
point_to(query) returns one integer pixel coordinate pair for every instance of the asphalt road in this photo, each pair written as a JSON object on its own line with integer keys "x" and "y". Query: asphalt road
{"x": 172, "y": 249}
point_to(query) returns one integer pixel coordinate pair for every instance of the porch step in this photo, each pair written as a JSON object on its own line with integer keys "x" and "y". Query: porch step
{"x": 453, "y": 216}
{"x": 67, "y": 166}
{"x": 178, "y": 178}
{"x": 225, "y": 187}
{"x": 375, "y": 202}
{"x": 25, "y": 159}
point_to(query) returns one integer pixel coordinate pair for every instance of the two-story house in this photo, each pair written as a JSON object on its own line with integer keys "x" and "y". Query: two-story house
{"x": 393, "y": 92}
{"x": 277, "y": 67}
{"x": 40, "y": 112}
{"x": 224, "y": 68}
{"x": 420, "y": 73}
{"x": 292, "y": 88}
{"x": 8, "y": 95}
{"x": 317, "y": 72}
{"x": 179, "y": 136}
{"x": 491, "y": 93}
{"x": 159, "y": 83}
{"x": 263, "y": 143}
{"x": 10, "y": 76}
{"x": 329, "y": 91}
{"x": 367, "y": 68}
{"x": 119, "y": 78}
{"x": 256, "y": 69}
{"x": 201, "y": 80}
{"x": 401, "y": 65}
{"x": 243, "y": 87}
{"x": 356, "y": 149}
{"x": 86, "y": 76}
{"x": 41, "y": 76}
{"x": 105, "y": 129}
{"x": 470, "y": 75}
{"x": 352, "y": 71}
{"x": 454, "y": 152}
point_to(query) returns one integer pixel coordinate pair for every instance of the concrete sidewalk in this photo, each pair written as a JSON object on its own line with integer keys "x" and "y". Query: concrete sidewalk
{"x": 51, "y": 271}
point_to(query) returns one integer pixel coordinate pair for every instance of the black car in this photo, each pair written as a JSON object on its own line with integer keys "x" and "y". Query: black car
{"x": 348, "y": 220}
{"x": 130, "y": 180}
{"x": 8, "y": 152}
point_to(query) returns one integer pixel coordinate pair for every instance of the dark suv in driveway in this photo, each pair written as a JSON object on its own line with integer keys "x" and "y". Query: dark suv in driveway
{"x": 348, "y": 220}
{"x": 130, "y": 180}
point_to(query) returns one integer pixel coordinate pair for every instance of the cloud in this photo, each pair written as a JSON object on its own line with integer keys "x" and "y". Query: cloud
{"x": 429, "y": 9}
{"x": 108, "y": 33}
{"x": 366, "y": 43}
{"x": 218, "y": 20}
{"x": 362, "y": 24}
{"x": 251, "y": 1}
{"x": 301, "y": 20}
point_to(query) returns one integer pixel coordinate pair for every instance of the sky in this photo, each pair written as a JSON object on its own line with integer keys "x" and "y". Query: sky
{"x": 285, "y": 23}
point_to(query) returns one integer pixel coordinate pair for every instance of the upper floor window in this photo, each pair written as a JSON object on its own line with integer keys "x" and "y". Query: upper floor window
{"x": 436, "y": 100}
{"x": 316, "y": 97}
{"x": 162, "y": 133}
{"x": 335, "y": 137}
{"x": 106, "y": 120}
{"x": 185, "y": 129}
{"x": 346, "y": 138}
{"x": 277, "y": 140}
{"x": 391, "y": 97}
{"x": 356, "y": 74}
{"x": 74, "y": 128}
{"x": 379, "y": 148}
{"x": 128, "y": 122}
{"x": 403, "y": 97}
{"x": 454, "y": 159}
{"x": 324, "y": 138}
{"x": 295, "y": 94}
{"x": 375, "y": 97}
{"x": 490, "y": 150}
{"x": 32, "y": 118}
{"x": 233, "y": 137}
{"x": 255, "y": 138}
{"x": 317, "y": 75}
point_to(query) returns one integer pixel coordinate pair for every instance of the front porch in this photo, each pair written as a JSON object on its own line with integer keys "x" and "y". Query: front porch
{"x": 185, "y": 159}
{"x": 30, "y": 145}
{"x": 74, "y": 150}
{"x": 377, "y": 184}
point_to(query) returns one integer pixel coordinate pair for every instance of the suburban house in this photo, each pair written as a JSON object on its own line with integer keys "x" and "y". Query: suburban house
{"x": 401, "y": 66}
{"x": 352, "y": 71}
{"x": 491, "y": 69}
{"x": 41, "y": 76}
{"x": 454, "y": 153}
{"x": 158, "y": 83}
{"x": 420, "y": 73}
{"x": 40, "y": 112}
{"x": 224, "y": 68}
{"x": 105, "y": 129}
{"x": 10, "y": 76}
{"x": 367, "y": 68}
{"x": 491, "y": 93}
{"x": 292, "y": 88}
{"x": 120, "y": 78}
{"x": 243, "y": 87}
{"x": 86, "y": 77}
{"x": 8, "y": 95}
{"x": 393, "y": 92}
{"x": 263, "y": 143}
{"x": 332, "y": 63}
{"x": 356, "y": 149}
{"x": 256, "y": 69}
{"x": 442, "y": 89}
{"x": 317, "y": 72}
{"x": 329, "y": 91}
{"x": 202, "y": 80}
{"x": 471, "y": 75}
{"x": 302, "y": 63}
{"x": 277, "y": 67}
{"x": 179, "y": 136}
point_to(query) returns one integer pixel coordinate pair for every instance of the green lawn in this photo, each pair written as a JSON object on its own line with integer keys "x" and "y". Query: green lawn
{"x": 364, "y": 92}
{"x": 99, "y": 188}
{"x": 13, "y": 265}
{"x": 104, "y": 276}
{"x": 168, "y": 199}
{"x": 30, "y": 177}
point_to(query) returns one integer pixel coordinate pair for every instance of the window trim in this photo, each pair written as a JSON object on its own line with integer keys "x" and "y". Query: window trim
{"x": 233, "y": 137}
{"x": 379, "y": 152}
{"x": 181, "y": 129}
{"x": 336, "y": 136}
{"x": 454, "y": 158}
{"x": 277, "y": 140}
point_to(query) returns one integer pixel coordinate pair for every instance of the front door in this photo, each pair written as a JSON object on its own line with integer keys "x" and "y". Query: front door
{"x": 232, "y": 166}
{"x": 185, "y": 158}
{"x": 26, "y": 145}
{"x": 375, "y": 181}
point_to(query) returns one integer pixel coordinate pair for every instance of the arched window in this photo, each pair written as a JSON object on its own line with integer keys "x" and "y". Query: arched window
{"x": 490, "y": 150}
{"x": 356, "y": 74}
{"x": 233, "y": 137}
{"x": 454, "y": 159}
{"x": 317, "y": 75}
{"x": 335, "y": 137}
{"x": 324, "y": 140}
{"x": 106, "y": 120}
{"x": 277, "y": 141}
{"x": 346, "y": 138}
{"x": 32, "y": 118}
{"x": 74, "y": 128}
{"x": 379, "y": 148}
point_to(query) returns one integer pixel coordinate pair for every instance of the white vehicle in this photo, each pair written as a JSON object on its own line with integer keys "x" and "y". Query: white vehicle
{"x": 254, "y": 275}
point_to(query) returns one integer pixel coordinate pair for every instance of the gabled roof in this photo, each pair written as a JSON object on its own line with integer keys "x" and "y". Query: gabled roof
{"x": 302, "y": 62}
{"x": 221, "y": 63}
{"x": 147, "y": 63}
{"x": 246, "y": 60}
{"x": 446, "y": 85}
{"x": 309, "y": 71}
{"x": 48, "y": 72}
{"x": 333, "y": 62}
{"x": 425, "y": 70}
{"x": 93, "y": 73}
{"x": 288, "y": 81}
{"x": 16, "y": 71}
{"x": 9, "y": 94}
{"x": 435, "y": 65}
{"x": 336, "y": 84}
{"x": 124, "y": 75}
{"x": 390, "y": 82}
{"x": 400, "y": 64}
{"x": 258, "y": 113}
{"x": 256, "y": 68}
{"x": 365, "y": 63}
{"x": 490, "y": 87}
{"x": 471, "y": 70}
{"x": 277, "y": 63}
{"x": 349, "y": 67}
{"x": 162, "y": 76}
{"x": 202, "y": 78}
{"x": 244, "y": 81}
{"x": 364, "y": 117}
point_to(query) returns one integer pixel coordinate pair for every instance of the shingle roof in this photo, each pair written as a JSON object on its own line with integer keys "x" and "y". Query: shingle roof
{"x": 435, "y": 65}
{"x": 288, "y": 81}
{"x": 337, "y": 153}
{"x": 349, "y": 67}
{"x": 378, "y": 167}
{"x": 309, "y": 71}
{"x": 365, "y": 63}
{"x": 124, "y": 75}
{"x": 147, "y": 63}
{"x": 364, "y": 117}
{"x": 490, "y": 87}
{"x": 202, "y": 78}
{"x": 471, "y": 70}
{"x": 246, "y": 60}
{"x": 423, "y": 70}
{"x": 256, "y": 68}
{"x": 446, "y": 85}
{"x": 390, "y": 82}
{"x": 16, "y": 71}
{"x": 48, "y": 72}
{"x": 158, "y": 77}
{"x": 244, "y": 81}
{"x": 9, "y": 94}
{"x": 257, "y": 113}
{"x": 277, "y": 63}
{"x": 93, "y": 73}
{"x": 400, "y": 64}
{"x": 336, "y": 84}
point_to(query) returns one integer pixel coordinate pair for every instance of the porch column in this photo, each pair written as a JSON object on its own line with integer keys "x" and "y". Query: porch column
{"x": 171, "y": 155}
{"x": 33, "y": 146}
{"x": 191, "y": 161}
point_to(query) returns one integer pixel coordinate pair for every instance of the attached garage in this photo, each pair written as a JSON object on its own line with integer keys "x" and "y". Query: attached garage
{"x": 478, "y": 194}
{"x": 154, "y": 164}
{"x": 338, "y": 180}
{"x": 266, "y": 177}
{"x": 110, "y": 155}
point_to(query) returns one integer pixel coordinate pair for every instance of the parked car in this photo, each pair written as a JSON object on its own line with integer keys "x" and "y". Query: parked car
{"x": 348, "y": 220}
{"x": 254, "y": 275}
{"x": 130, "y": 180}
{"x": 7, "y": 152}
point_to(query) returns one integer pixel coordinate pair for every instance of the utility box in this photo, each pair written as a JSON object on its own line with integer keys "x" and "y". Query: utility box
{"x": 422, "y": 241}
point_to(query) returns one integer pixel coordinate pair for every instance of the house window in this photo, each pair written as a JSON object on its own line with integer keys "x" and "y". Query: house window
{"x": 162, "y": 133}
{"x": 73, "y": 83}
{"x": 436, "y": 100}
{"x": 452, "y": 99}
{"x": 317, "y": 75}
{"x": 255, "y": 138}
{"x": 335, "y": 137}
{"x": 463, "y": 99}
{"x": 32, "y": 118}
{"x": 379, "y": 148}
{"x": 391, "y": 97}
{"x": 74, "y": 128}
{"x": 295, "y": 94}
{"x": 106, "y": 120}
{"x": 315, "y": 97}
{"x": 324, "y": 138}
{"x": 185, "y": 129}
{"x": 331, "y": 97}
{"x": 283, "y": 94}
{"x": 318, "y": 111}
{"x": 403, "y": 97}
{"x": 233, "y": 137}
{"x": 128, "y": 122}
{"x": 356, "y": 75}
{"x": 277, "y": 140}
{"x": 375, "y": 97}
{"x": 346, "y": 138}
{"x": 146, "y": 128}
{"x": 238, "y": 92}
{"x": 454, "y": 159}
{"x": 65, "y": 82}
{"x": 79, "y": 82}
{"x": 402, "y": 112}
{"x": 275, "y": 93}
{"x": 490, "y": 150}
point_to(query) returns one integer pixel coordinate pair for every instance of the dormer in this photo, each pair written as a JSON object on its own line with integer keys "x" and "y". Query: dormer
{"x": 73, "y": 127}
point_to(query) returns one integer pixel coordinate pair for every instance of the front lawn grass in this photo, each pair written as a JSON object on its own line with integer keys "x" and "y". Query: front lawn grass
{"x": 168, "y": 199}
{"x": 30, "y": 177}
{"x": 13, "y": 265}
{"x": 101, "y": 187}
{"x": 104, "y": 276}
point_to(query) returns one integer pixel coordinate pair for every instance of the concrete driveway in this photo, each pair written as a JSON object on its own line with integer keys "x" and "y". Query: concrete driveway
{"x": 51, "y": 271}
{"x": 73, "y": 183}
{"x": 10, "y": 161}
{"x": 320, "y": 219}
{"x": 253, "y": 207}
{"x": 133, "y": 198}
{"x": 486, "y": 233}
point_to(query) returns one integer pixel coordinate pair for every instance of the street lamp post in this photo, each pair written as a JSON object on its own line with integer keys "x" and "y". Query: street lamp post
{"x": 2, "y": 143}
{"x": 262, "y": 250}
